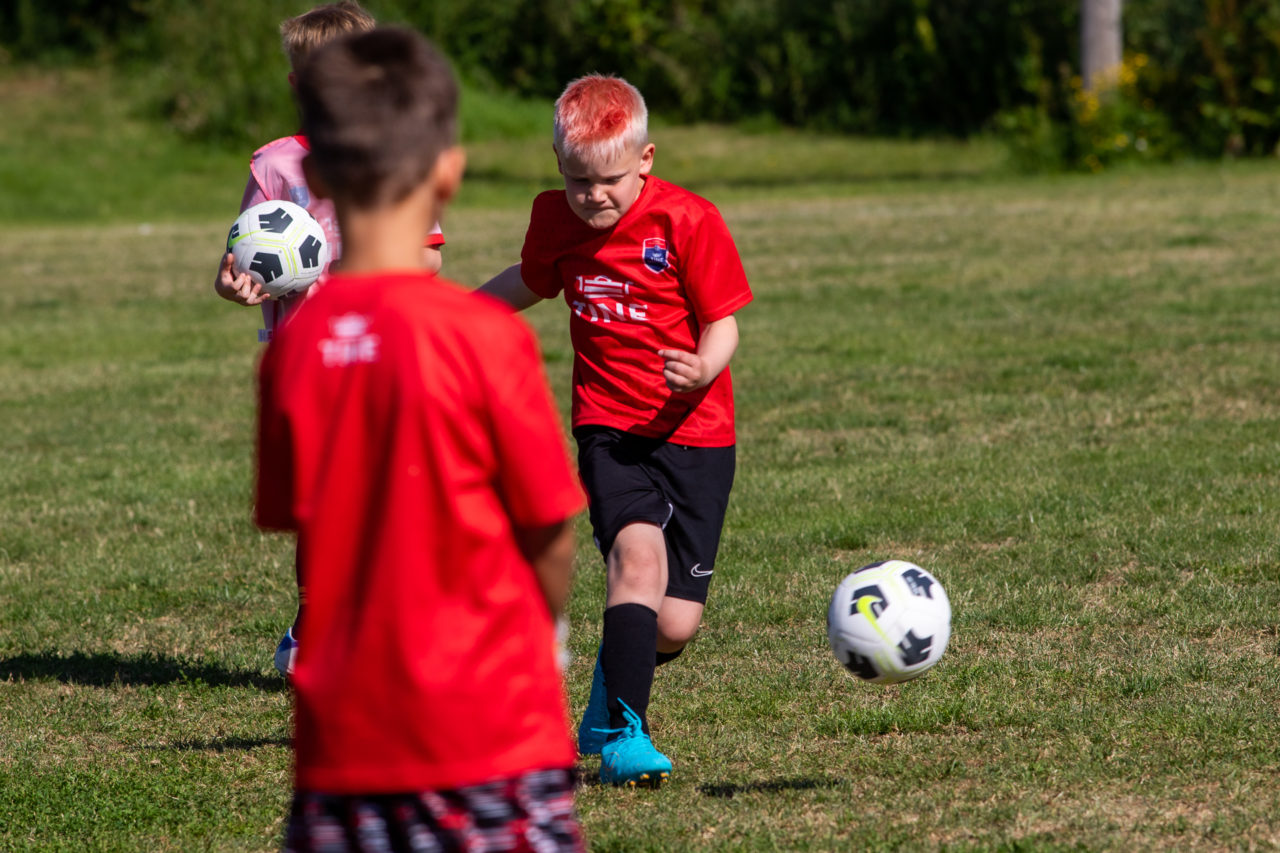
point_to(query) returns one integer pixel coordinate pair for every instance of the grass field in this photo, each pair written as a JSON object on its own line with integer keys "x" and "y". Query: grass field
{"x": 1058, "y": 394}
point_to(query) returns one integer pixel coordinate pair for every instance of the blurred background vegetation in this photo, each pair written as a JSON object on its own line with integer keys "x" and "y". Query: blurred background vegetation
{"x": 1200, "y": 76}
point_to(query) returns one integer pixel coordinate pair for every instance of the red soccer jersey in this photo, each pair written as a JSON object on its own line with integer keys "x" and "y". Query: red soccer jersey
{"x": 405, "y": 427}
{"x": 651, "y": 282}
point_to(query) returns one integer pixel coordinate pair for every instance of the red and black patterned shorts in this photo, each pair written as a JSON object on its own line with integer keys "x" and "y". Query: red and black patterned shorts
{"x": 533, "y": 813}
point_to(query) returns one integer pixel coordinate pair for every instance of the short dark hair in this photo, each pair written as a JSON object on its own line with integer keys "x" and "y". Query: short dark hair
{"x": 378, "y": 109}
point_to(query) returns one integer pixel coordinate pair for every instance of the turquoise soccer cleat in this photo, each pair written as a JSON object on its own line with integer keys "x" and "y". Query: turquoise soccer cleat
{"x": 630, "y": 758}
{"x": 595, "y": 719}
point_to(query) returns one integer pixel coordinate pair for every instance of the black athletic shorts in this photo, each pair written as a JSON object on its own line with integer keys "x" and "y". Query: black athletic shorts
{"x": 682, "y": 489}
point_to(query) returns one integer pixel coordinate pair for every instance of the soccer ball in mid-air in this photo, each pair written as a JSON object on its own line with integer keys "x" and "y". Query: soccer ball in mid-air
{"x": 280, "y": 246}
{"x": 889, "y": 622}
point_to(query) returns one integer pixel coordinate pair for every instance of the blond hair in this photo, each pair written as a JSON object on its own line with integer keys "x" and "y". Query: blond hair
{"x": 321, "y": 25}
{"x": 600, "y": 118}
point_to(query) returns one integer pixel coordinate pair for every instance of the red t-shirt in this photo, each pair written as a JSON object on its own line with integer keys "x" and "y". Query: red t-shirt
{"x": 652, "y": 281}
{"x": 405, "y": 426}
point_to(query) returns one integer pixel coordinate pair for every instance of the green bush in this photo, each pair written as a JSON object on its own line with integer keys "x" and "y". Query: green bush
{"x": 1117, "y": 122}
{"x": 1207, "y": 85}
{"x": 871, "y": 66}
{"x": 216, "y": 70}
{"x": 219, "y": 70}
{"x": 68, "y": 29}
{"x": 1214, "y": 69}
{"x": 1200, "y": 78}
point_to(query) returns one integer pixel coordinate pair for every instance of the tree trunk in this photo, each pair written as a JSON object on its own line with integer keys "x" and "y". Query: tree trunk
{"x": 1100, "y": 42}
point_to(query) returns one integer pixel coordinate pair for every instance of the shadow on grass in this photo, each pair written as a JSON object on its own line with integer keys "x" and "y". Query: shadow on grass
{"x": 769, "y": 786}
{"x": 104, "y": 669}
{"x": 589, "y": 777}
{"x": 224, "y": 744}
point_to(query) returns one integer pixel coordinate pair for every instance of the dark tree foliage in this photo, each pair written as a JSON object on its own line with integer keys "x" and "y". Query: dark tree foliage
{"x": 884, "y": 66}
{"x": 1215, "y": 69}
{"x": 1210, "y": 69}
{"x": 60, "y": 29}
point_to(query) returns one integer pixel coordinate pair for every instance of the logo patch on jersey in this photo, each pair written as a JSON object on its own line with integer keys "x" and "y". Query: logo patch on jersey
{"x": 300, "y": 196}
{"x": 352, "y": 343}
{"x": 654, "y": 252}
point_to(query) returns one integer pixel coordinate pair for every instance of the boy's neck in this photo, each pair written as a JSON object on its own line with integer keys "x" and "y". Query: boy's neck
{"x": 386, "y": 238}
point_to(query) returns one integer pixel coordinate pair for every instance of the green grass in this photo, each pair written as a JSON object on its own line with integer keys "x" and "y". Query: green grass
{"x": 80, "y": 146}
{"x": 1058, "y": 394}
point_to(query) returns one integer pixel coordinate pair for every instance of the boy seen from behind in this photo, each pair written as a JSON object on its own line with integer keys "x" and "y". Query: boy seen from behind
{"x": 652, "y": 279}
{"x": 407, "y": 434}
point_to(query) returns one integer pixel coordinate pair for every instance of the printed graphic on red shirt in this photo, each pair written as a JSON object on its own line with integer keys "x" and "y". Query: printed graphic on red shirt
{"x": 603, "y": 300}
{"x": 350, "y": 342}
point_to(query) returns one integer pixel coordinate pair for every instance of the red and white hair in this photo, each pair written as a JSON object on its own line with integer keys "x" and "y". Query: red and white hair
{"x": 600, "y": 118}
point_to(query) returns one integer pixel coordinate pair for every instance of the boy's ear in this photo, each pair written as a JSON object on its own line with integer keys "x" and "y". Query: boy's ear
{"x": 446, "y": 174}
{"x": 293, "y": 80}
{"x": 646, "y": 158}
{"x": 315, "y": 183}
{"x": 559, "y": 165}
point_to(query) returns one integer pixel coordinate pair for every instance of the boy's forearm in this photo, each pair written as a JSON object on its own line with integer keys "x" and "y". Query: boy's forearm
{"x": 717, "y": 345}
{"x": 550, "y": 551}
{"x": 689, "y": 371}
{"x": 509, "y": 286}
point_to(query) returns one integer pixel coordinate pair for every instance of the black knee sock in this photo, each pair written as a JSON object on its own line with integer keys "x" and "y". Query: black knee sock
{"x": 627, "y": 654}
{"x": 667, "y": 657}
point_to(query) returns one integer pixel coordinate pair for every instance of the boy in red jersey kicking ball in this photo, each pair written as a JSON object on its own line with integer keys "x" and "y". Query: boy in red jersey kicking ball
{"x": 652, "y": 279}
{"x": 407, "y": 434}
{"x": 275, "y": 174}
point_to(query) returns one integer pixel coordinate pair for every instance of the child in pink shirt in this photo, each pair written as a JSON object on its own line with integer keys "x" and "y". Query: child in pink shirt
{"x": 275, "y": 174}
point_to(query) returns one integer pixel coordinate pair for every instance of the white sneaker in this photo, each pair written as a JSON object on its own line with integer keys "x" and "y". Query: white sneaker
{"x": 286, "y": 652}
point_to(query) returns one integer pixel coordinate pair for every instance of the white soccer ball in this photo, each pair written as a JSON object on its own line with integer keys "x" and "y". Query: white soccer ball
{"x": 280, "y": 246}
{"x": 889, "y": 622}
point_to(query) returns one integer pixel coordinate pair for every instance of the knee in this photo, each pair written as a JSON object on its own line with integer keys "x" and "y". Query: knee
{"x": 674, "y": 634}
{"x": 636, "y": 565}
{"x": 635, "y": 560}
